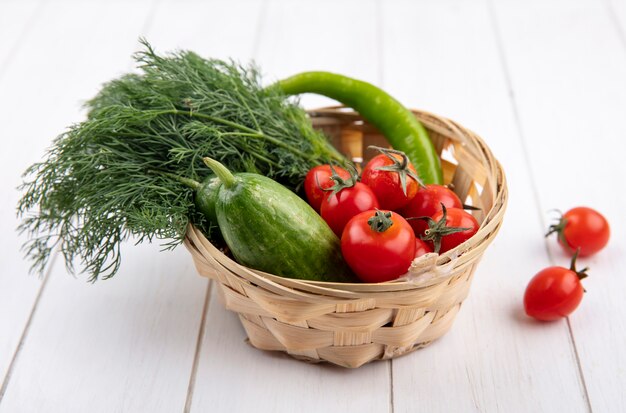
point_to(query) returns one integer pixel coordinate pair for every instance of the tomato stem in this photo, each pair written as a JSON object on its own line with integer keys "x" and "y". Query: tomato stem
{"x": 341, "y": 183}
{"x": 582, "y": 274}
{"x": 438, "y": 229}
{"x": 381, "y": 221}
{"x": 224, "y": 175}
{"x": 191, "y": 183}
{"x": 399, "y": 167}
{"x": 559, "y": 229}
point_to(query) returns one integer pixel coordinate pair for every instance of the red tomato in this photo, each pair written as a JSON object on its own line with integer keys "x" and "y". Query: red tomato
{"x": 454, "y": 218}
{"x": 554, "y": 292}
{"x": 337, "y": 209}
{"x": 378, "y": 245}
{"x": 583, "y": 228}
{"x": 318, "y": 179}
{"x": 386, "y": 183}
{"x": 421, "y": 247}
{"x": 426, "y": 203}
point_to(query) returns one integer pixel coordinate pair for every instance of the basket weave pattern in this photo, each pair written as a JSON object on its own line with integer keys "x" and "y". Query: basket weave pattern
{"x": 353, "y": 324}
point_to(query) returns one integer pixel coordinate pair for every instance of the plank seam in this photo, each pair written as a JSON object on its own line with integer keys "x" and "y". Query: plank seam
{"x": 22, "y": 340}
{"x": 580, "y": 368}
{"x": 256, "y": 46}
{"x": 199, "y": 342}
{"x": 21, "y": 37}
{"x": 516, "y": 116}
{"x": 378, "y": 11}
{"x": 149, "y": 21}
{"x": 47, "y": 275}
{"x": 621, "y": 33}
{"x": 533, "y": 182}
{"x": 379, "y": 41}
{"x": 391, "y": 406}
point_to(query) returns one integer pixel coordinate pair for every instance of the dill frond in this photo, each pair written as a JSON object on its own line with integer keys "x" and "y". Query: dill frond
{"x": 109, "y": 177}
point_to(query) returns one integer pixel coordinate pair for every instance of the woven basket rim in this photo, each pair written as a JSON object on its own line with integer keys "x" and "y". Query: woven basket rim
{"x": 301, "y": 289}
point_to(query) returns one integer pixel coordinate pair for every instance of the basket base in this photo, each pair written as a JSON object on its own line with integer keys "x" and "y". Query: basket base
{"x": 267, "y": 333}
{"x": 311, "y": 360}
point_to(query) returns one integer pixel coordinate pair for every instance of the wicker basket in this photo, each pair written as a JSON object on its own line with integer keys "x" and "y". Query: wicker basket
{"x": 353, "y": 324}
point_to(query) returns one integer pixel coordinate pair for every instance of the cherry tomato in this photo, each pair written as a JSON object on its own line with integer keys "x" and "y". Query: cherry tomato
{"x": 446, "y": 228}
{"x": 554, "y": 292}
{"x": 378, "y": 245}
{"x": 338, "y": 208}
{"x": 384, "y": 174}
{"x": 421, "y": 247}
{"x": 318, "y": 179}
{"x": 426, "y": 203}
{"x": 583, "y": 228}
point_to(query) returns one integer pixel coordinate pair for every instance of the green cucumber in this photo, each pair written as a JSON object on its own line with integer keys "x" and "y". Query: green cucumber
{"x": 269, "y": 228}
{"x": 206, "y": 195}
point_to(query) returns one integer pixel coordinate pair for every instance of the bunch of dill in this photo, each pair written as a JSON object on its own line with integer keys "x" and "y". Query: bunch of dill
{"x": 112, "y": 176}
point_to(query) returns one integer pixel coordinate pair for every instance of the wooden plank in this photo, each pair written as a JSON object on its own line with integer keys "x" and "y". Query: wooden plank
{"x": 123, "y": 345}
{"x": 170, "y": 30}
{"x": 234, "y": 376}
{"x": 338, "y": 37}
{"x": 568, "y": 74}
{"x": 443, "y": 57}
{"x": 231, "y": 375}
{"x": 219, "y": 29}
{"x": 17, "y": 291}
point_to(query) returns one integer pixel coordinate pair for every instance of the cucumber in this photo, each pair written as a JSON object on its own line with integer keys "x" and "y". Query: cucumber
{"x": 269, "y": 228}
{"x": 206, "y": 195}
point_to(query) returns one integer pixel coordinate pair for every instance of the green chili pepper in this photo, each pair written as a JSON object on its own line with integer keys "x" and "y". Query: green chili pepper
{"x": 403, "y": 131}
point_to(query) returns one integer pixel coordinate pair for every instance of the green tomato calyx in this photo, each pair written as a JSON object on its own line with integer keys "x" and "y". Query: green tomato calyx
{"x": 438, "y": 229}
{"x": 582, "y": 274}
{"x": 401, "y": 167}
{"x": 381, "y": 221}
{"x": 559, "y": 229}
{"x": 340, "y": 183}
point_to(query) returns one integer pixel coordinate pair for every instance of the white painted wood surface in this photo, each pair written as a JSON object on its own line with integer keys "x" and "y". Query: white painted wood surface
{"x": 492, "y": 353}
{"x": 17, "y": 292}
{"x": 543, "y": 82}
{"x": 568, "y": 107}
{"x": 272, "y": 382}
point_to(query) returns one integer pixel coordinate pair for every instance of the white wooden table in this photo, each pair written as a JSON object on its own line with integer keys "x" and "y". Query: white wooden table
{"x": 544, "y": 82}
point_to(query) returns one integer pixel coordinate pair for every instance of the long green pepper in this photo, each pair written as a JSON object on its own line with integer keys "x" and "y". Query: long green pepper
{"x": 403, "y": 131}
